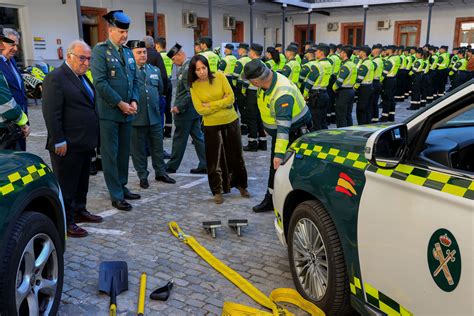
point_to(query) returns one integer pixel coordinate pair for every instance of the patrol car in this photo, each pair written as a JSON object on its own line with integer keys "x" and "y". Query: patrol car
{"x": 32, "y": 236}
{"x": 380, "y": 218}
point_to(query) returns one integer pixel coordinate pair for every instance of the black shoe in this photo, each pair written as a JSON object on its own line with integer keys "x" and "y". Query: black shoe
{"x": 93, "y": 169}
{"x": 262, "y": 145}
{"x": 252, "y": 146}
{"x": 169, "y": 170}
{"x": 131, "y": 196}
{"x": 167, "y": 132}
{"x": 166, "y": 155}
{"x": 144, "y": 184}
{"x": 391, "y": 118}
{"x": 98, "y": 163}
{"x": 166, "y": 179}
{"x": 383, "y": 119}
{"x": 265, "y": 206}
{"x": 122, "y": 205}
{"x": 198, "y": 171}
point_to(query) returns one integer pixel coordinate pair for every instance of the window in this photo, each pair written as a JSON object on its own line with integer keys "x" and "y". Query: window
{"x": 464, "y": 31}
{"x": 9, "y": 19}
{"x": 407, "y": 33}
{"x": 351, "y": 33}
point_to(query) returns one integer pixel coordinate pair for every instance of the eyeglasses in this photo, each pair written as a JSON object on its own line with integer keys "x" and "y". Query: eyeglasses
{"x": 82, "y": 58}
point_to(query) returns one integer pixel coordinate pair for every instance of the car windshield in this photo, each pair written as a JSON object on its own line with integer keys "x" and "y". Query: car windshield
{"x": 466, "y": 118}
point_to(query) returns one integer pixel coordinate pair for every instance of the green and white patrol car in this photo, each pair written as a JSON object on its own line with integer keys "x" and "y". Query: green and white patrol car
{"x": 380, "y": 218}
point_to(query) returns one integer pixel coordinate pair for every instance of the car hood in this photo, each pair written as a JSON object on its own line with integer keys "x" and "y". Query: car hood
{"x": 352, "y": 138}
{"x": 12, "y": 161}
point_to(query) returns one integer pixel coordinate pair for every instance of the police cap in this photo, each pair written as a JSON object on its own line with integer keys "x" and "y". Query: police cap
{"x": 254, "y": 69}
{"x": 445, "y": 47}
{"x": 278, "y": 45}
{"x": 244, "y": 46}
{"x": 310, "y": 50}
{"x": 136, "y": 44}
{"x": 229, "y": 46}
{"x": 256, "y": 48}
{"x": 174, "y": 50}
{"x": 419, "y": 50}
{"x": 332, "y": 46}
{"x": 295, "y": 44}
{"x": 270, "y": 49}
{"x": 323, "y": 47}
{"x": 391, "y": 47}
{"x": 206, "y": 40}
{"x": 347, "y": 49}
{"x": 292, "y": 48}
{"x": 117, "y": 18}
{"x": 377, "y": 46}
{"x": 366, "y": 49}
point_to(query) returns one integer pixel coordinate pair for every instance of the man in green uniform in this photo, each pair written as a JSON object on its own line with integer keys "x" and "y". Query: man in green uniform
{"x": 459, "y": 71}
{"x": 279, "y": 49}
{"x": 306, "y": 67}
{"x": 160, "y": 46}
{"x": 212, "y": 58}
{"x": 443, "y": 69}
{"x": 186, "y": 120}
{"x": 389, "y": 73}
{"x": 238, "y": 84}
{"x": 344, "y": 88}
{"x": 284, "y": 115}
{"x": 227, "y": 64}
{"x": 377, "y": 83}
{"x": 114, "y": 73}
{"x": 335, "y": 60}
{"x": 292, "y": 68}
{"x": 297, "y": 56}
{"x": 146, "y": 127}
{"x": 365, "y": 76}
{"x": 416, "y": 73}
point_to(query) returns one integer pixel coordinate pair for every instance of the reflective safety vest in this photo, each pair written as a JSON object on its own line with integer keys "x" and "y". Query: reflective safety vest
{"x": 427, "y": 65}
{"x": 421, "y": 66}
{"x": 282, "y": 61}
{"x": 454, "y": 59}
{"x": 336, "y": 63}
{"x": 168, "y": 63}
{"x": 212, "y": 59}
{"x": 445, "y": 62}
{"x": 434, "y": 62}
{"x": 295, "y": 70}
{"x": 298, "y": 59}
{"x": 243, "y": 61}
{"x": 403, "y": 61}
{"x": 378, "y": 71}
{"x": 369, "y": 76}
{"x": 325, "y": 71}
{"x": 230, "y": 61}
{"x": 272, "y": 64}
{"x": 461, "y": 65}
{"x": 266, "y": 105}
{"x": 350, "y": 80}
{"x": 395, "y": 60}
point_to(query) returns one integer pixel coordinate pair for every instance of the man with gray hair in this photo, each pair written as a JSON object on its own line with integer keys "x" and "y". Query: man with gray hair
{"x": 73, "y": 126}
{"x": 13, "y": 76}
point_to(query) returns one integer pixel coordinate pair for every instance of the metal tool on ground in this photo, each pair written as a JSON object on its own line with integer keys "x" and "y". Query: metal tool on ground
{"x": 282, "y": 295}
{"x": 113, "y": 280}
{"x": 141, "y": 296}
{"x": 211, "y": 227}
{"x": 162, "y": 293}
{"x": 237, "y": 225}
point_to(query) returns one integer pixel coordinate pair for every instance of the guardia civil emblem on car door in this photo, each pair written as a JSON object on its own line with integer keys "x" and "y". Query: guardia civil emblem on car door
{"x": 444, "y": 259}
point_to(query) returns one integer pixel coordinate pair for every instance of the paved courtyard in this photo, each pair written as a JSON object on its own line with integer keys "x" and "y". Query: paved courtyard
{"x": 142, "y": 239}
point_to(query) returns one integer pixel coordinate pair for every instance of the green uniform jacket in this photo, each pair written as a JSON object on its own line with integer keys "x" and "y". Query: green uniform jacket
{"x": 115, "y": 80}
{"x": 183, "y": 96}
{"x": 9, "y": 109}
{"x": 150, "y": 87}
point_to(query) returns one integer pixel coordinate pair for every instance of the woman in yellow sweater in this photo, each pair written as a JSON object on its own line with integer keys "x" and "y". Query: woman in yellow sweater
{"x": 213, "y": 98}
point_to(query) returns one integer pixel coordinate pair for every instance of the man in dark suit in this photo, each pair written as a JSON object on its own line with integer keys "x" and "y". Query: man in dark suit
{"x": 12, "y": 75}
{"x": 73, "y": 125}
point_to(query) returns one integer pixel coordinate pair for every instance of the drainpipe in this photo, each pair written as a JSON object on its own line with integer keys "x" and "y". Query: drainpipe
{"x": 308, "y": 38}
{"x": 210, "y": 20}
{"x": 430, "y": 7}
{"x": 79, "y": 18}
{"x": 251, "y": 2}
{"x": 366, "y": 8}
{"x": 155, "y": 19}
{"x": 283, "y": 17}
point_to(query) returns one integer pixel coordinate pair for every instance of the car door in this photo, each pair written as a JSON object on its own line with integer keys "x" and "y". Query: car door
{"x": 416, "y": 237}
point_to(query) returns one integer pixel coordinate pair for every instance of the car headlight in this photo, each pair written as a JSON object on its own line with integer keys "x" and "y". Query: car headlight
{"x": 290, "y": 152}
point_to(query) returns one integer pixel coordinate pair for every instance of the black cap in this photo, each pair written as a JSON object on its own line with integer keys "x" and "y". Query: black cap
{"x": 339, "y": 46}
{"x": 347, "y": 49}
{"x": 292, "y": 48}
{"x": 118, "y": 18}
{"x": 323, "y": 47}
{"x": 206, "y": 40}
{"x": 295, "y": 44}
{"x": 366, "y": 49}
{"x": 256, "y": 48}
{"x": 174, "y": 50}
{"x": 270, "y": 49}
{"x": 229, "y": 46}
{"x": 445, "y": 47}
{"x": 419, "y": 50}
{"x": 356, "y": 47}
{"x": 254, "y": 69}
{"x": 391, "y": 47}
{"x": 244, "y": 46}
{"x": 310, "y": 50}
{"x": 377, "y": 46}
{"x": 332, "y": 46}
{"x": 278, "y": 45}
{"x": 401, "y": 47}
{"x": 136, "y": 44}
{"x": 197, "y": 42}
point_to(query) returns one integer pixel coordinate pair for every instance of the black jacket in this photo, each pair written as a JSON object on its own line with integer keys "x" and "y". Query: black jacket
{"x": 69, "y": 113}
{"x": 155, "y": 59}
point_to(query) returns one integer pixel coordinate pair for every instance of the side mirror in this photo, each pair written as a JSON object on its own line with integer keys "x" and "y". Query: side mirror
{"x": 387, "y": 147}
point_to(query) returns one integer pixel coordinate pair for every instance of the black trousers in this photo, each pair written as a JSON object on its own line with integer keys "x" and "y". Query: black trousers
{"x": 225, "y": 160}
{"x": 318, "y": 104}
{"x": 252, "y": 117}
{"x": 331, "y": 110}
{"x": 241, "y": 104}
{"x": 72, "y": 172}
{"x": 374, "y": 100}
{"x": 416, "y": 91}
{"x": 460, "y": 77}
{"x": 425, "y": 88}
{"x": 168, "y": 115}
{"x": 400, "y": 89}
{"x": 363, "y": 109}
{"x": 388, "y": 101}
{"x": 343, "y": 107}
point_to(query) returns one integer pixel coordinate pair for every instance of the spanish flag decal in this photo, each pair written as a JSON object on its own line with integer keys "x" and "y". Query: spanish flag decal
{"x": 345, "y": 185}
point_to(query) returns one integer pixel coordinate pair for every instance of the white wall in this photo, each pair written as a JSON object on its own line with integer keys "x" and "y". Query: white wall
{"x": 442, "y": 23}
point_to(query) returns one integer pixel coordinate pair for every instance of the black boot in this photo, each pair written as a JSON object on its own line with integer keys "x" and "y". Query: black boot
{"x": 262, "y": 145}
{"x": 252, "y": 146}
{"x": 265, "y": 206}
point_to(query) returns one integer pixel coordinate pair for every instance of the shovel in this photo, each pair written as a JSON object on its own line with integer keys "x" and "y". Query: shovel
{"x": 113, "y": 280}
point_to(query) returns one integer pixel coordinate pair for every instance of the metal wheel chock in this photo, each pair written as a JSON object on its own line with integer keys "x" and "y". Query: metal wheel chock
{"x": 211, "y": 227}
{"x": 237, "y": 224}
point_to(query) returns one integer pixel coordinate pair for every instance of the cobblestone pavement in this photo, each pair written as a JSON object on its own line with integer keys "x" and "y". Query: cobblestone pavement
{"x": 142, "y": 239}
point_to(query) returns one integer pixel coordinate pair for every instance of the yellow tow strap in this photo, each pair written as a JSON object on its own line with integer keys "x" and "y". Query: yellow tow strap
{"x": 284, "y": 295}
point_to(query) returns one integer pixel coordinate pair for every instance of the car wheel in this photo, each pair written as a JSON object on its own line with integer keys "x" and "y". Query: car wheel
{"x": 316, "y": 259}
{"x": 31, "y": 268}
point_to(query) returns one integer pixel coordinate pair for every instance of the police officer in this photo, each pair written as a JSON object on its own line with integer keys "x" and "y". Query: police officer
{"x": 433, "y": 75}
{"x": 377, "y": 85}
{"x": 443, "y": 69}
{"x": 365, "y": 76}
{"x": 344, "y": 88}
{"x": 186, "y": 120}
{"x": 114, "y": 72}
{"x": 389, "y": 73}
{"x": 416, "y": 73}
{"x": 197, "y": 47}
{"x": 146, "y": 127}
{"x": 459, "y": 71}
{"x": 284, "y": 115}
{"x": 212, "y": 58}
{"x": 279, "y": 49}
{"x": 256, "y": 137}
{"x": 316, "y": 87}
{"x": 306, "y": 67}
{"x": 238, "y": 83}
{"x": 292, "y": 68}
{"x": 160, "y": 46}
{"x": 335, "y": 60}
{"x": 227, "y": 64}
{"x": 401, "y": 74}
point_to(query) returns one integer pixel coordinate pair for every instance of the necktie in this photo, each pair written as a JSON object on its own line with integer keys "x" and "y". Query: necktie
{"x": 120, "y": 50}
{"x": 88, "y": 88}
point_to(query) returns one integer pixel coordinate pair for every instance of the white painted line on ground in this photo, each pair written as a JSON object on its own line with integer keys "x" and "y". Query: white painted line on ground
{"x": 192, "y": 175}
{"x": 39, "y": 134}
{"x": 252, "y": 178}
{"x": 261, "y": 157}
{"x": 108, "y": 213}
{"x": 104, "y": 231}
{"x": 194, "y": 183}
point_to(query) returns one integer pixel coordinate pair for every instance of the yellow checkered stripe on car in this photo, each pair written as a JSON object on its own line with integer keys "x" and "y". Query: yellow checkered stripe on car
{"x": 430, "y": 179}
{"x": 356, "y": 287}
{"x": 383, "y": 302}
{"x": 18, "y": 179}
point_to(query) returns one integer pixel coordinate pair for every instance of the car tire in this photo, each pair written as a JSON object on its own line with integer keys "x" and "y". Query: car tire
{"x": 31, "y": 267}
{"x": 317, "y": 264}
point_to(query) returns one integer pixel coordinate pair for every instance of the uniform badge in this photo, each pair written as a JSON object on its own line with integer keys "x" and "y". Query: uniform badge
{"x": 109, "y": 53}
{"x": 444, "y": 260}
{"x": 130, "y": 61}
{"x": 153, "y": 76}
{"x": 112, "y": 73}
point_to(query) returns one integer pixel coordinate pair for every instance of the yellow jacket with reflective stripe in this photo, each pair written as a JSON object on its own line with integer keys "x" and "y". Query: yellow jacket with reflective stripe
{"x": 378, "y": 71}
{"x": 212, "y": 58}
{"x": 325, "y": 69}
{"x": 295, "y": 70}
{"x": 282, "y": 61}
{"x": 230, "y": 61}
{"x": 168, "y": 63}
